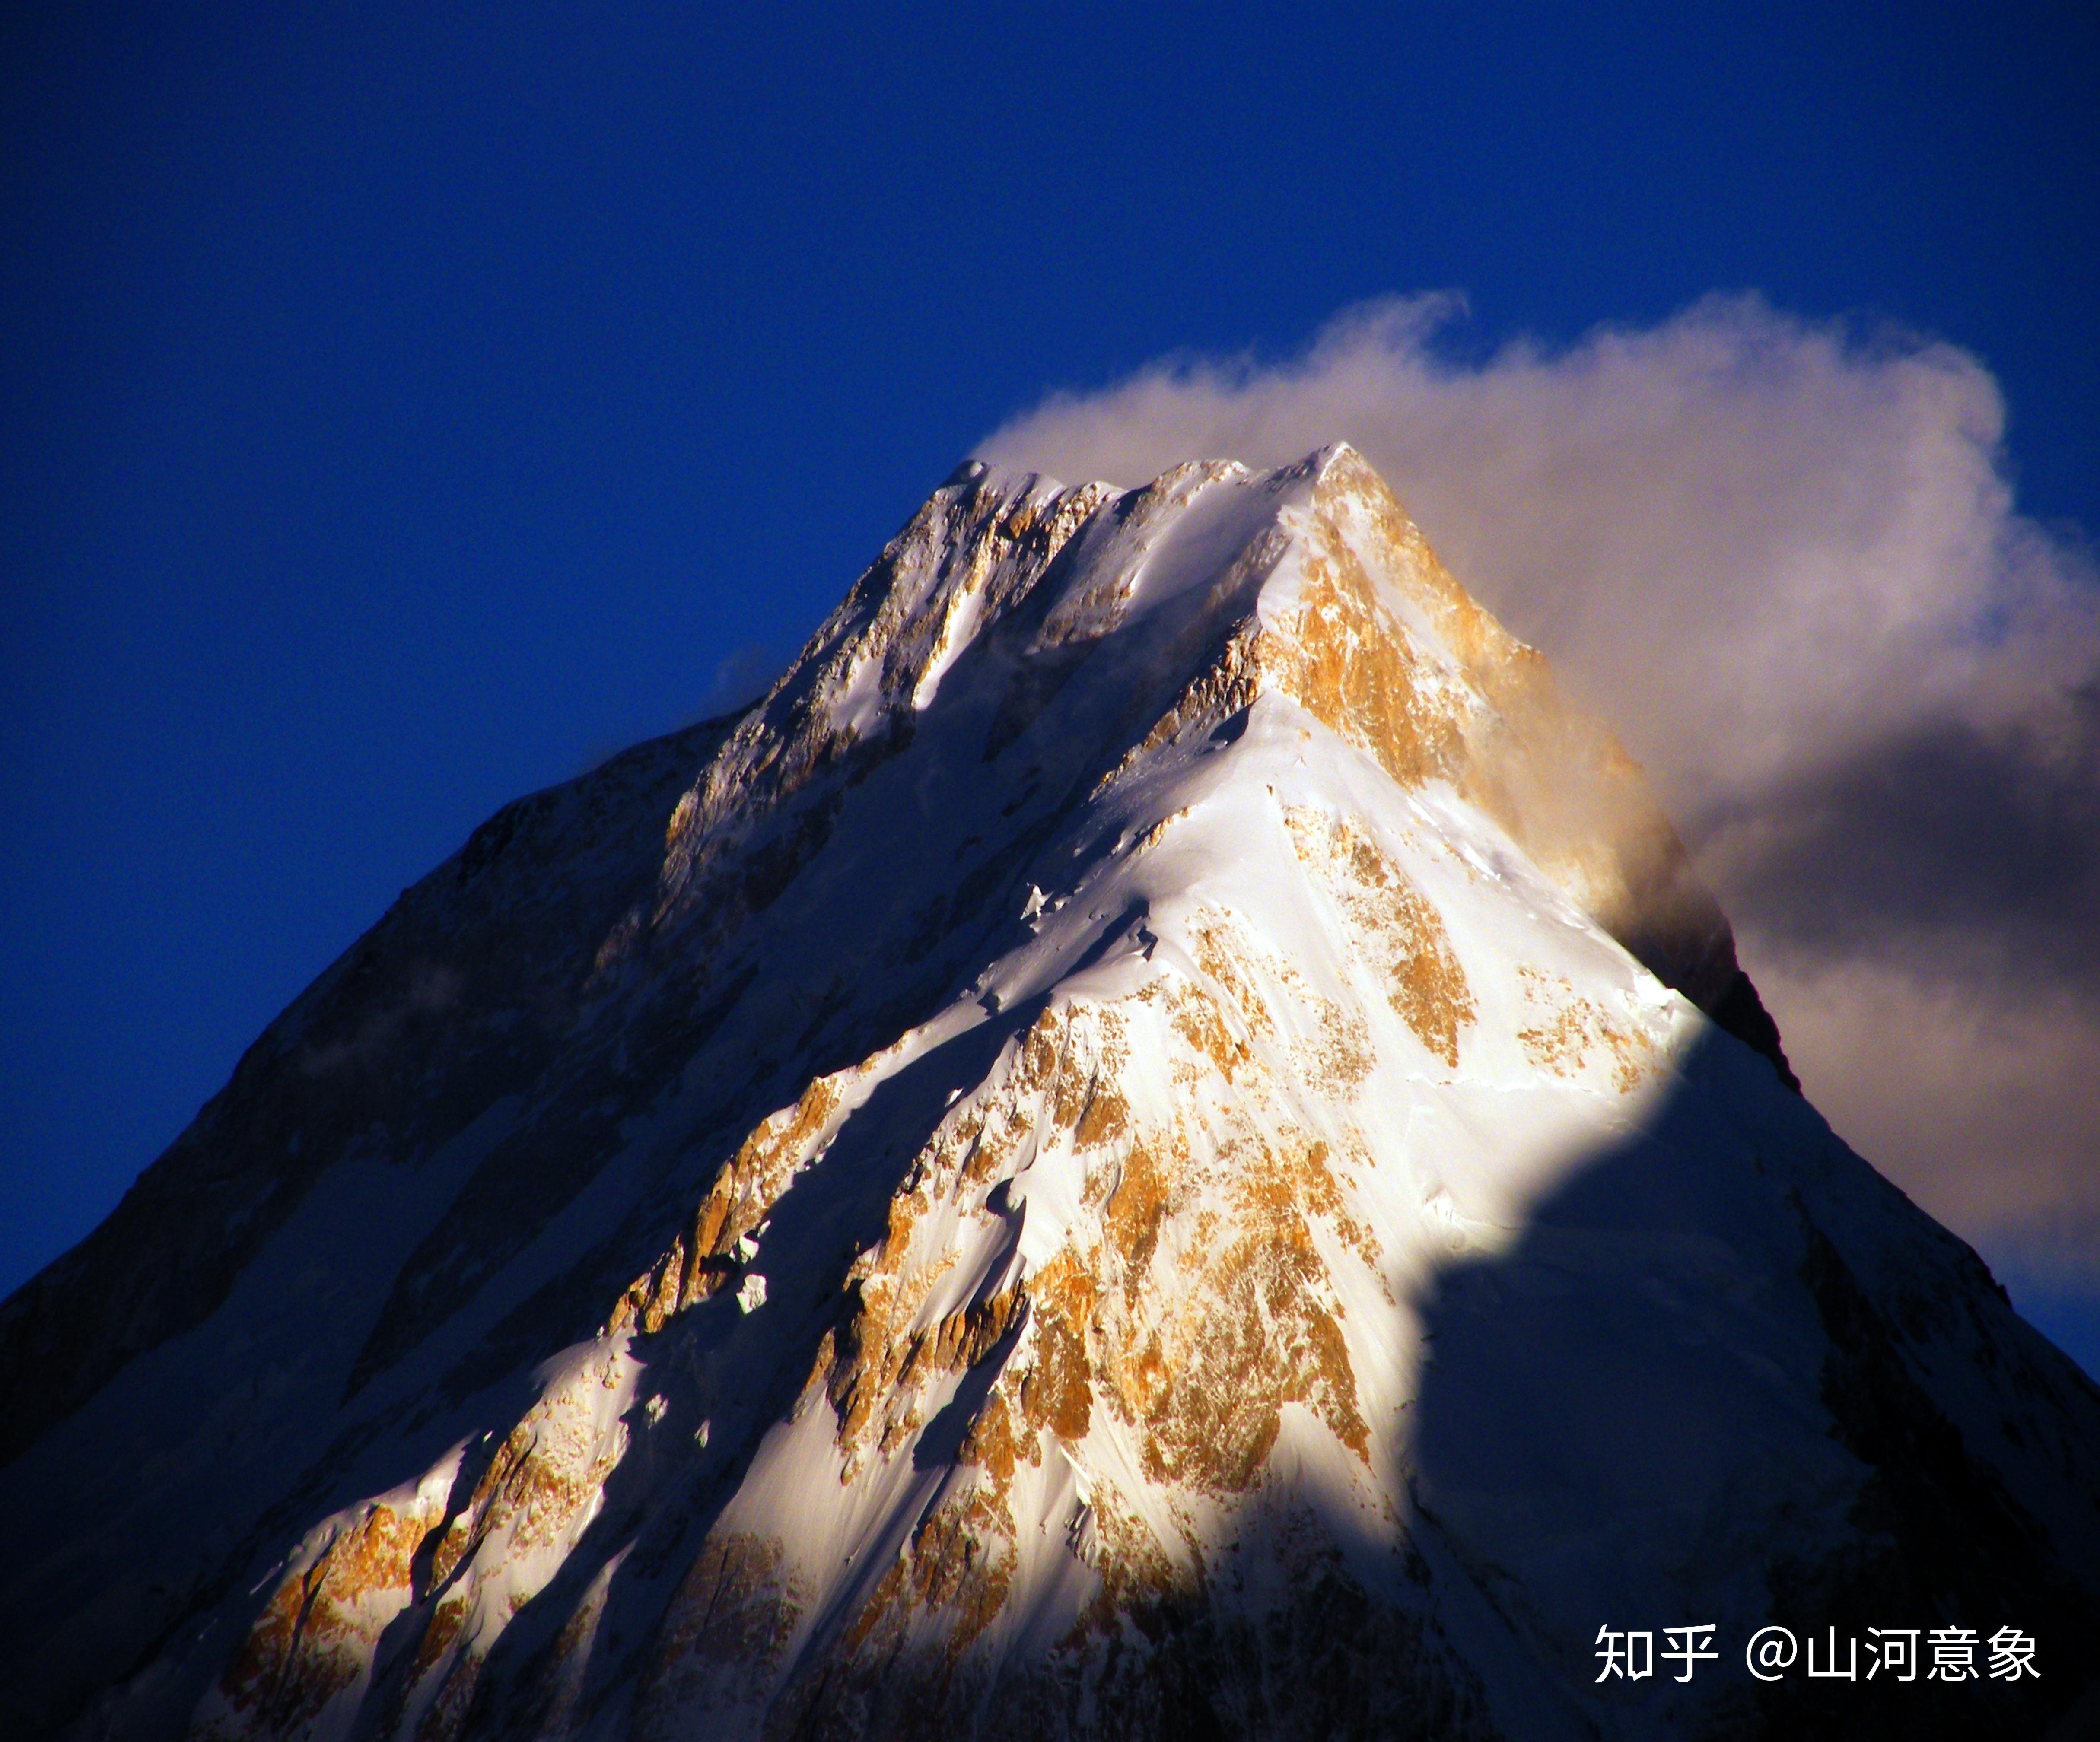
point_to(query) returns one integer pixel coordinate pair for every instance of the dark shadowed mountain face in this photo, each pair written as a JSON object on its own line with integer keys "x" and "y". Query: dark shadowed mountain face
{"x": 1158, "y": 1143}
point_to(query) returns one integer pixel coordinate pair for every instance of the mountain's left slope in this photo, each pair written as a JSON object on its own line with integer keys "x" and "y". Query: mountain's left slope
{"x": 1159, "y": 1141}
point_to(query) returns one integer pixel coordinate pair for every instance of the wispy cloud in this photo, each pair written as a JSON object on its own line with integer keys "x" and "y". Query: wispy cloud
{"x": 1782, "y": 557}
{"x": 746, "y": 674}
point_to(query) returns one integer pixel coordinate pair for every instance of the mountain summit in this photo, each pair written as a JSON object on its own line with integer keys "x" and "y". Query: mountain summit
{"x": 1159, "y": 1142}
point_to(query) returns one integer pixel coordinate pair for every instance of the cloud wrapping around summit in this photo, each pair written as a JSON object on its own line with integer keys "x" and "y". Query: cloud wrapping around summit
{"x": 1782, "y": 558}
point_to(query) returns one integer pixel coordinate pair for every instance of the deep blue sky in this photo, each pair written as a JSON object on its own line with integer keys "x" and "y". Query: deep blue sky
{"x": 402, "y": 409}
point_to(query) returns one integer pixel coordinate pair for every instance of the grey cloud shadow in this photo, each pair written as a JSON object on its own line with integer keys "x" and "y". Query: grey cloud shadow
{"x": 1697, "y": 1371}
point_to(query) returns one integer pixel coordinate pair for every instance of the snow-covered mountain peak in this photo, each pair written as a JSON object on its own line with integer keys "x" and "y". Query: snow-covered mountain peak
{"x": 1188, "y": 599}
{"x": 1157, "y": 1138}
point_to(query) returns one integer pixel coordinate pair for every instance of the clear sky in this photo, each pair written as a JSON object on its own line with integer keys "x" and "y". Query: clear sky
{"x": 403, "y": 407}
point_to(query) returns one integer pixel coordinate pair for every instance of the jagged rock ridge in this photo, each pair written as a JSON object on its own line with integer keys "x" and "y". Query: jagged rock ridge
{"x": 1119, "y": 1157}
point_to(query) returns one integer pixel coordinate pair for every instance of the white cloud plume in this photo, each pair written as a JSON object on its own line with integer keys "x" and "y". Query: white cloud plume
{"x": 1782, "y": 558}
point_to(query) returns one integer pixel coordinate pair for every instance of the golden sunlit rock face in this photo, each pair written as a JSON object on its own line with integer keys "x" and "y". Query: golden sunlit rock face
{"x": 1069, "y": 1074}
{"x": 1187, "y": 1305}
{"x": 1144, "y": 1359}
